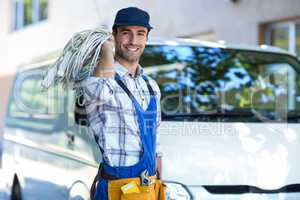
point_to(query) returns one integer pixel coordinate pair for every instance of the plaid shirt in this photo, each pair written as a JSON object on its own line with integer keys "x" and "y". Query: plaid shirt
{"x": 112, "y": 116}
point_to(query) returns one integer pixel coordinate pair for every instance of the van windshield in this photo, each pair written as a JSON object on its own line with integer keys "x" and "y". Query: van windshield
{"x": 228, "y": 84}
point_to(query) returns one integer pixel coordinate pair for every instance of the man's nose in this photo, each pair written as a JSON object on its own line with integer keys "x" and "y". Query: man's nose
{"x": 133, "y": 39}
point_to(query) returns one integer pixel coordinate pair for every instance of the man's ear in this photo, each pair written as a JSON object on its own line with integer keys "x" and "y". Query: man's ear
{"x": 114, "y": 33}
{"x": 148, "y": 33}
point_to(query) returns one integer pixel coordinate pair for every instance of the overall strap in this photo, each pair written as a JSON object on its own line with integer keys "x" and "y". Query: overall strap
{"x": 147, "y": 161}
{"x": 123, "y": 86}
{"x": 148, "y": 85}
{"x": 137, "y": 106}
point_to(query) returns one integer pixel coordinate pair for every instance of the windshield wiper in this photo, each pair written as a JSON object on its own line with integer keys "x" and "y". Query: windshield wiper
{"x": 293, "y": 115}
{"x": 212, "y": 114}
{"x": 242, "y": 189}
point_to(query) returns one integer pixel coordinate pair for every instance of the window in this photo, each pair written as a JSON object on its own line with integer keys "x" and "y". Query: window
{"x": 27, "y": 12}
{"x": 200, "y": 83}
{"x": 41, "y": 115}
{"x": 47, "y": 116}
{"x": 285, "y": 35}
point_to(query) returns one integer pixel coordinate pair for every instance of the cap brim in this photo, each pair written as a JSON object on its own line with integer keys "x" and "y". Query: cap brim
{"x": 133, "y": 24}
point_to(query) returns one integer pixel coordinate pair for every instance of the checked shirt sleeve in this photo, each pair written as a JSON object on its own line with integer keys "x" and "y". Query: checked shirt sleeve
{"x": 97, "y": 90}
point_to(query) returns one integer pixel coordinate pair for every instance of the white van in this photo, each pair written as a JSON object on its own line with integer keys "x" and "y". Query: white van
{"x": 229, "y": 130}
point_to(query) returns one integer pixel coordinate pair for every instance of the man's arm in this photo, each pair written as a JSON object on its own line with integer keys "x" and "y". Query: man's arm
{"x": 159, "y": 165}
{"x": 105, "y": 67}
{"x": 158, "y": 131}
{"x": 98, "y": 87}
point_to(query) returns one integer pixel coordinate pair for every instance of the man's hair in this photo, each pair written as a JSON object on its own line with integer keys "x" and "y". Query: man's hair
{"x": 115, "y": 30}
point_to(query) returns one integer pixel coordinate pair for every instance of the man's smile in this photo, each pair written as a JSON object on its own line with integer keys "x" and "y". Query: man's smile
{"x": 132, "y": 49}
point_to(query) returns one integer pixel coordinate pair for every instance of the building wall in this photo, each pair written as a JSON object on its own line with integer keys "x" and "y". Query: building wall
{"x": 236, "y": 23}
{"x": 4, "y": 92}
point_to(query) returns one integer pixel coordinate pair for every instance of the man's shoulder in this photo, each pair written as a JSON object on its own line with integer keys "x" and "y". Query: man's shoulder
{"x": 153, "y": 84}
{"x": 150, "y": 79}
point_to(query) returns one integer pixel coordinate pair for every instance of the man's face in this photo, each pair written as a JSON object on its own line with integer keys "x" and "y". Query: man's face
{"x": 130, "y": 42}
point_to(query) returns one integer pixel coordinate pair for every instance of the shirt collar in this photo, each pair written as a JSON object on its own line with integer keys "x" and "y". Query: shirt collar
{"x": 122, "y": 71}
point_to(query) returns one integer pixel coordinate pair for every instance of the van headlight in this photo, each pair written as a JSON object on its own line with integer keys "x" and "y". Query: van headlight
{"x": 178, "y": 191}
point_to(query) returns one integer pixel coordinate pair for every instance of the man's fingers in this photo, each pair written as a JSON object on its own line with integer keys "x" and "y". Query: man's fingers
{"x": 111, "y": 38}
{"x": 111, "y": 42}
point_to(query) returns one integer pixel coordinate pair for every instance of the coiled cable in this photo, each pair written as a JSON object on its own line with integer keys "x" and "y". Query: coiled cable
{"x": 78, "y": 59}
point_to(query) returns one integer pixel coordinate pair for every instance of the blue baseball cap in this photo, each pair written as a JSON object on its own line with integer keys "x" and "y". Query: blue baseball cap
{"x": 132, "y": 16}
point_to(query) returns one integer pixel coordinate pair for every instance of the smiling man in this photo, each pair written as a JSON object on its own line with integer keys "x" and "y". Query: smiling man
{"x": 124, "y": 111}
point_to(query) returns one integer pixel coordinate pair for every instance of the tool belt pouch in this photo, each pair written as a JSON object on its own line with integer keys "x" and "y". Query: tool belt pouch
{"x": 160, "y": 190}
{"x": 155, "y": 191}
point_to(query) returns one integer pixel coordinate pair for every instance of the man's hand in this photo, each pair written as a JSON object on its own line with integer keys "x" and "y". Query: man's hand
{"x": 159, "y": 165}
{"x": 105, "y": 67}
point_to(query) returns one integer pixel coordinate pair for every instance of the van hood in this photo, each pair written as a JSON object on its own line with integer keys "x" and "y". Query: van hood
{"x": 263, "y": 155}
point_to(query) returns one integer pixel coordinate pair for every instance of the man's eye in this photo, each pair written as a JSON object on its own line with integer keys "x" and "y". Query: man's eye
{"x": 141, "y": 34}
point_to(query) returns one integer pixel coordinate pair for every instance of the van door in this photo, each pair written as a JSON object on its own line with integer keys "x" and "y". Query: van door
{"x": 84, "y": 167}
{"x": 35, "y": 136}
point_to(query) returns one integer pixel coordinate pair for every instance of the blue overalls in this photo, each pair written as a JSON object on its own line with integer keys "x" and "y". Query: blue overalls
{"x": 147, "y": 125}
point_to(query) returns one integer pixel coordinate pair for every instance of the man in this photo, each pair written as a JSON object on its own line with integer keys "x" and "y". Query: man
{"x": 123, "y": 104}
